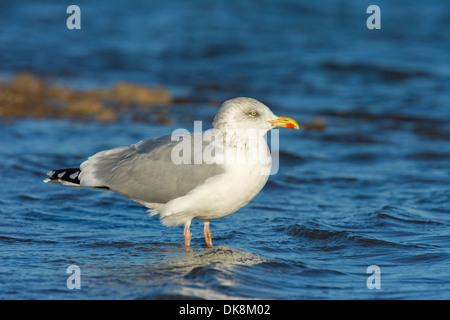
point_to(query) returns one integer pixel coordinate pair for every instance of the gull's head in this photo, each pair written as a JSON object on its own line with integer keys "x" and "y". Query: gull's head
{"x": 248, "y": 113}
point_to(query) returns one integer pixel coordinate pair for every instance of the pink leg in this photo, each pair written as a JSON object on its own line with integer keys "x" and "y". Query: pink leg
{"x": 187, "y": 234}
{"x": 207, "y": 234}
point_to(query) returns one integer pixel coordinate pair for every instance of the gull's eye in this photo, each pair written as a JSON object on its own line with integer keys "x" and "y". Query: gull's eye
{"x": 253, "y": 113}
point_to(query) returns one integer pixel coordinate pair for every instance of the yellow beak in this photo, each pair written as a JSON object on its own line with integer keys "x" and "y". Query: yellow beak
{"x": 285, "y": 122}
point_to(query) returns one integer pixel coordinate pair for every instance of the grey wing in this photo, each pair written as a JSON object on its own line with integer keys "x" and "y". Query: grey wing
{"x": 146, "y": 172}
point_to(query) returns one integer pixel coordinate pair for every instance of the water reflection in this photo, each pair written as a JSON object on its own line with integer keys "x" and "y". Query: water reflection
{"x": 206, "y": 273}
{"x": 171, "y": 271}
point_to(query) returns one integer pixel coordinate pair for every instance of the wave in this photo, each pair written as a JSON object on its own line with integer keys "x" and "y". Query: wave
{"x": 385, "y": 73}
{"x": 329, "y": 240}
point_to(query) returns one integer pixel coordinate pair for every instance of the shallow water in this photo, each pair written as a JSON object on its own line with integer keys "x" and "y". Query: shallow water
{"x": 371, "y": 189}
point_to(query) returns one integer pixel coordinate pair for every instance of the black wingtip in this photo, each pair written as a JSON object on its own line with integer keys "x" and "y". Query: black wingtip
{"x": 67, "y": 175}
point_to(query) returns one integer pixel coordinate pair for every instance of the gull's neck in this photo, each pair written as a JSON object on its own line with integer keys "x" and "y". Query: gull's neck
{"x": 239, "y": 137}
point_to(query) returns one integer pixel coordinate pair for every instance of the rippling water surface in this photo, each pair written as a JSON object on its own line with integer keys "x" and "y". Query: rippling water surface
{"x": 372, "y": 188}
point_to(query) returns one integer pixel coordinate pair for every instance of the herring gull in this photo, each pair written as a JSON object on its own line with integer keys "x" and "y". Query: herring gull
{"x": 181, "y": 177}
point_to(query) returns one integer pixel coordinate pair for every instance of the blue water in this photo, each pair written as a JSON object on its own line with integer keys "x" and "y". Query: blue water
{"x": 370, "y": 189}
